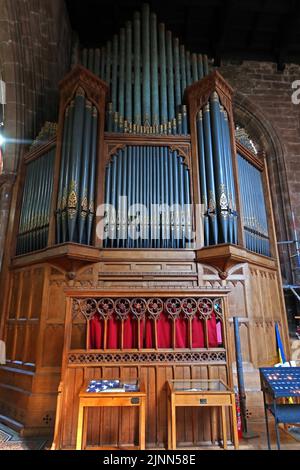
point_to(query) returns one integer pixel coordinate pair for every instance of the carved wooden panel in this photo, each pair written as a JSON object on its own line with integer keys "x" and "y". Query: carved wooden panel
{"x": 52, "y": 345}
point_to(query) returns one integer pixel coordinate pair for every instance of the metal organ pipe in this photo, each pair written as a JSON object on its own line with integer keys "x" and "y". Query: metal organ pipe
{"x": 202, "y": 174}
{"x": 114, "y": 87}
{"x": 153, "y": 103}
{"x": 97, "y": 62}
{"x": 64, "y": 176}
{"x": 163, "y": 78}
{"x": 137, "y": 70}
{"x": 182, "y": 68}
{"x": 84, "y": 177}
{"x": 254, "y": 209}
{"x": 159, "y": 179}
{"x": 178, "y": 95}
{"x": 128, "y": 113}
{"x": 75, "y": 202}
{"x": 221, "y": 192}
{"x": 154, "y": 73}
{"x": 146, "y": 64}
{"x": 228, "y": 153}
{"x": 120, "y": 118}
{"x": 170, "y": 67}
{"x": 194, "y": 68}
{"x": 35, "y": 209}
{"x": 92, "y": 175}
{"x": 210, "y": 182}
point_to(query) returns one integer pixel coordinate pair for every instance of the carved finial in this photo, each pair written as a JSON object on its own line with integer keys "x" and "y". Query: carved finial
{"x": 71, "y": 275}
{"x": 80, "y": 91}
{"x": 223, "y": 275}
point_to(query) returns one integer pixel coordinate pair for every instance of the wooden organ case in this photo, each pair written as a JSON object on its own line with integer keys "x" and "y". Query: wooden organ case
{"x": 88, "y": 292}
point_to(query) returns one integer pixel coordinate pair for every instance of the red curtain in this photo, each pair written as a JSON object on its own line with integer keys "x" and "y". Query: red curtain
{"x": 164, "y": 333}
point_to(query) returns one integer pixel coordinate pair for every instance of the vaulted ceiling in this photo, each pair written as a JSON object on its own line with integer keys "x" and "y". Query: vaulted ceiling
{"x": 236, "y": 29}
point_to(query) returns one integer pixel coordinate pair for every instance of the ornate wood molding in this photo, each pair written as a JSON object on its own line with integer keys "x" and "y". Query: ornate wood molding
{"x": 213, "y": 357}
{"x": 199, "y": 92}
{"x": 180, "y": 144}
{"x": 95, "y": 88}
{"x": 141, "y": 307}
{"x": 259, "y": 164}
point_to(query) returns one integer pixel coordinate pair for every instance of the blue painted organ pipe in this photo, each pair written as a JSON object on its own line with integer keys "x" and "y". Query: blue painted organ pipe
{"x": 137, "y": 70}
{"x": 178, "y": 95}
{"x": 188, "y": 211}
{"x": 210, "y": 179}
{"x": 148, "y": 71}
{"x": 220, "y": 180}
{"x": 188, "y": 68}
{"x": 85, "y": 58}
{"x": 65, "y": 175}
{"x": 163, "y": 77}
{"x": 128, "y": 100}
{"x": 92, "y": 175}
{"x": 147, "y": 82}
{"x": 202, "y": 174}
{"x": 114, "y": 86}
{"x": 61, "y": 184}
{"x": 216, "y": 174}
{"x": 146, "y": 65}
{"x": 97, "y": 62}
{"x": 159, "y": 179}
{"x": 228, "y": 153}
{"x": 91, "y": 58}
{"x": 76, "y": 199}
{"x": 170, "y": 68}
{"x": 195, "y": 76}
{"x": 84, "y": 177}
{"x": 75, "y": 160}
{"x": 35, "y": 209}
{"x": 253, "y": 208}
{"x": 120, "y": 116}
{"x": 154, "y": 73}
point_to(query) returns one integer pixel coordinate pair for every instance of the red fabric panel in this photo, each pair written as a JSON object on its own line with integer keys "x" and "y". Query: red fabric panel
{"x": 129, "y": 339}
{"x": 182, "y": 327}
{"x": 149, "y": 334}
{"x": 96, "y": 333}
{"x": 164, "y": 331}
{"x": 212, "y": 332}
{"x": 113, "y": 329}
{"x": 198, "y": 333}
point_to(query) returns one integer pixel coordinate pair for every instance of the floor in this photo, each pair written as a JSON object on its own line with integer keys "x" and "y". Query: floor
{"x": 260, "y": 443}
{"x": 10, "y": 440}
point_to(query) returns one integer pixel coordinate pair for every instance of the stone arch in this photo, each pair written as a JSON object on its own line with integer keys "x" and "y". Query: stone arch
{"x": 251, "y": 116}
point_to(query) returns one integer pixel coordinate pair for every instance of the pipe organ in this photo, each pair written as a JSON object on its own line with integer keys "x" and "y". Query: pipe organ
{"x": 147, "y": 71}
{"x": 75, "y": 203}
{"x": 142, "y": 215}
{"x": 254, "y": 209}
{"x": 35, "y": 211}
{"x": 159, "y": 196}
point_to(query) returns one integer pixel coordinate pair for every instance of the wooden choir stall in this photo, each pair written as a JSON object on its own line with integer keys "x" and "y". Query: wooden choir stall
{"x": 139, "y": 226}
